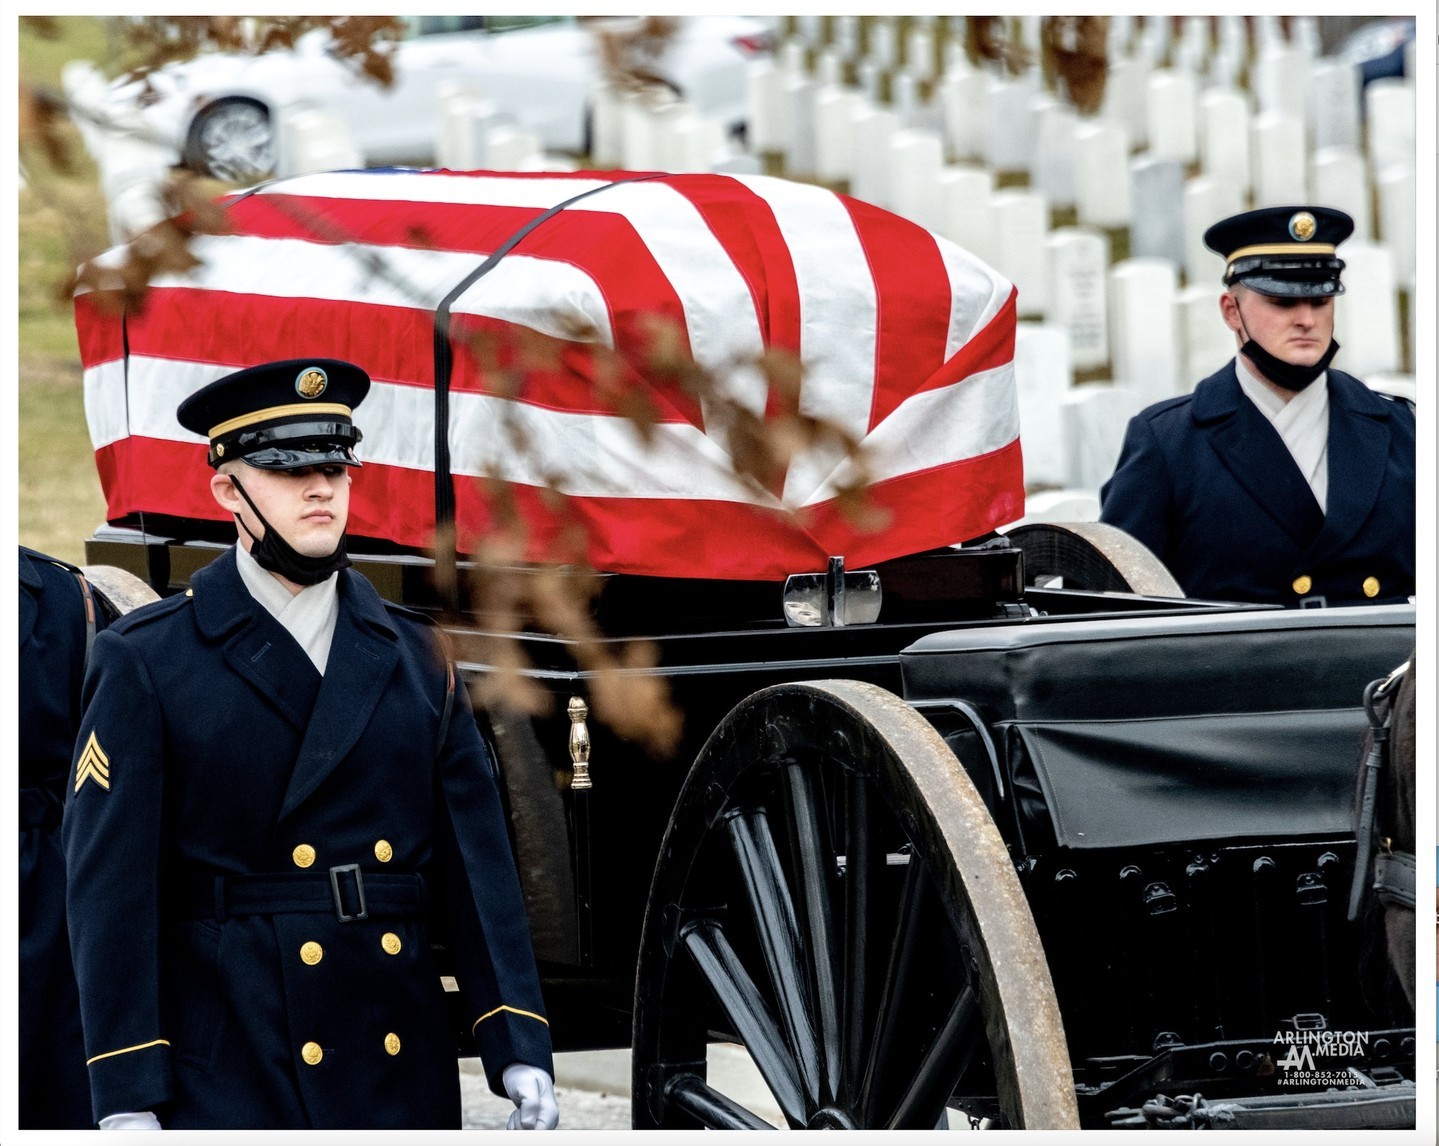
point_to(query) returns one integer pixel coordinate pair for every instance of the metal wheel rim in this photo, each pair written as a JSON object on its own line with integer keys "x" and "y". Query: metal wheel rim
{"x": 237, "y": 142}
{"x": 1010, "y": 1019}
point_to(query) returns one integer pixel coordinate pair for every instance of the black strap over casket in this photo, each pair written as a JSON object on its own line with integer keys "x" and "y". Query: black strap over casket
{"x": 446, "y": 557}
{"x": 1393, "y": 871}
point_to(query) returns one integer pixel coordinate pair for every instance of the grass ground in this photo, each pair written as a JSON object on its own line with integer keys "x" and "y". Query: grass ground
{"x": 62, "y": 220}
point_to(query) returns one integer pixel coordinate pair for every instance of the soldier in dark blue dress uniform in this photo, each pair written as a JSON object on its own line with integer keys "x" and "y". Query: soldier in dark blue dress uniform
{"x": 57, "y": 620}
{"x": 1279, "y": 480}
{"x": 271, "y": 820}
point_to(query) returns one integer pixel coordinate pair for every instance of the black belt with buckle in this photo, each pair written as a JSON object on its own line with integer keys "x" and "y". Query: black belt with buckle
{"x": 347, "y": 891}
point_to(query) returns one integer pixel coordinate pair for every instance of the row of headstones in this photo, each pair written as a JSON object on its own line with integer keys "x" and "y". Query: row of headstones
{"x": 1196, "y": 45}
{"x": 838, "y": 136}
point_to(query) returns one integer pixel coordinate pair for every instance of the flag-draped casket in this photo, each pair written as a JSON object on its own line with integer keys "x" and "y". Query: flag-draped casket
{"x": 546, "y": 305}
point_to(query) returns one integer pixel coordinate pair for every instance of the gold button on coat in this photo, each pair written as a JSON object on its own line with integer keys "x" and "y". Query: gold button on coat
{"x": 304, "y": 855}
{"x": 312, "y": 1053}
{"x": 383, "y": 851}
{"x": 1303, "y": 583}
{"x": 390, "y": 942}
{"x": 312, "y": 953}
{"x": 392, "y": 1043}
{"x": 1371, "y": 586}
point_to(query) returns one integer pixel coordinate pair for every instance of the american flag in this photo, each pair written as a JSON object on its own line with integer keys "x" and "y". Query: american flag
{"x": 905, "y": 341}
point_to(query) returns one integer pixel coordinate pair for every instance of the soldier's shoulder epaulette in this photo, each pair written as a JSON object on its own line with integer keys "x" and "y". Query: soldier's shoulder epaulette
{"x": 152, "y": 612}
{"x": 406, "y": 613}
{"x": 1397, "y": 399}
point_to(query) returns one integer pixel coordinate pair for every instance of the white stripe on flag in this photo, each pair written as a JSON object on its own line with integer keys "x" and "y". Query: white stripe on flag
{"x": 977, "y": 293}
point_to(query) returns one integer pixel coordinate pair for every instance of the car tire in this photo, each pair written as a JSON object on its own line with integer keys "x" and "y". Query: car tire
{"x": 232, "y": 140}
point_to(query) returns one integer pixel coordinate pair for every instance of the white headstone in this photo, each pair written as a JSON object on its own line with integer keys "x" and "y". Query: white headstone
{"x": 1281, "y": 80}
{"x": 870, "y": 77}
{"x": 1054, "y": 151}
{"x": 1101, "y": 174}
{"x": 1143, "y": 340}
{"x": 1042, "y": 376}
{"x": 1397, "y": 222}
{"x": 1366, "y": 317}
{"x": 1058, "y": 504}
{"x": 1206, "y": 201}
{"x": 884, "y": 42}
{"x": 904, "y": 97}
{"x": 1268, "y": 33}
{"x": 961, "y": 96}
{"x": 1224, "y": 137}
{"x": 1078, "y": 288}
{"x": 1338, "y": 178}
{"x": 799, "y": 152}
{"x": 1009, "y": 127}
{"x": 834, "y": 109}
{"x": 1334, "y": 104}
{"x": 512, "y": 150}
{"x": 1126, "y": 89}
{"x": 792, "y": 56}
{"x": 1094, "y": 417}
{"x": 966, "y": 202}
{"x": 829, "y": 67}
{"x": 607, "y": 127}
{"x": 672, "y": 123}
{"x": 1277, "y": 154}
{"x": 873, "y": 129}
{"x": 810, "y": 28}
{"x": 916, "y": 159}
{"x": 1305, "y": 34}
{"x": 919, "y": 53}
{"x": 699, "y": 144}
{"x": 1156, "y": 229}
{"x": 1172, "y": 118}
{"x": 737, "y": 164}
{"x": 1207, "y": 343}
{"x": 452, "y": 104}
{"x": 767, "y": 127}
{"x": 1389, "y": 113}
{"x": 846, "y": 36}
{"x": 1021, "y": 219}
{"x": 316, "y": 140}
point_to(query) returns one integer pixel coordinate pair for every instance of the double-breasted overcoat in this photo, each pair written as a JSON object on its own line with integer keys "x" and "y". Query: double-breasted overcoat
{"x": 1206, "y": 482}
{"x": 54, "y": 619}
{"x": 229, "y": 808}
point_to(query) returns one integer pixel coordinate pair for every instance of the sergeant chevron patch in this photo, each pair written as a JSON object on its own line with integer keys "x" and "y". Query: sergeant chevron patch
{"x": 93, "y": 765}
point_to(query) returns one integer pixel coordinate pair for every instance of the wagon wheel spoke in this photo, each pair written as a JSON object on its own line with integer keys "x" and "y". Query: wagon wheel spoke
{"x": 860, "y": 864}
{"x": 905, "y": 946}
{"x": 941, "y": 1068}
{"x": 721, "y": 967}
{"x": 816, "y": 866}
{"x": 696, "y": 1097}
{"x": 773, "y": 912}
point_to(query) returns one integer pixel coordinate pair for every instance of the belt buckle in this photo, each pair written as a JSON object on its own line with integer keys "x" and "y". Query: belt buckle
{"x": 1318, "y": 601}
{"x": 340, "y": 913}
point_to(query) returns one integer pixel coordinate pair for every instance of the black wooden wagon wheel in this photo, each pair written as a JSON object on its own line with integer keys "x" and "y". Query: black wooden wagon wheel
{"x": 832, "y": 893}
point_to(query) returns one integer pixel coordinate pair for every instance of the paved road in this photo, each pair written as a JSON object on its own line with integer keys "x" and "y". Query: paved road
{"x": 593, "y": 1088}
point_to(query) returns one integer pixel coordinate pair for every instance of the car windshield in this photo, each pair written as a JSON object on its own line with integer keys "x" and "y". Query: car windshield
{"x": 441, "y": 25}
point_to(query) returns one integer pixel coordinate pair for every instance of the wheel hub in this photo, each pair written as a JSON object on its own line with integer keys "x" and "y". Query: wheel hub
{"x": 832, "y": 1118}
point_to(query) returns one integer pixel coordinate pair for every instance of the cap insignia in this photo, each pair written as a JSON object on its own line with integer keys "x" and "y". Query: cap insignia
{"x": 1302, "y": 226}
{"x": 312, "y": 380}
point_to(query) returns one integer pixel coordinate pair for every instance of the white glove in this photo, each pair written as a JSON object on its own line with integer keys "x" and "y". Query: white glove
{"x": 533, "y": 1093}
{"x": 144, "y": 1120}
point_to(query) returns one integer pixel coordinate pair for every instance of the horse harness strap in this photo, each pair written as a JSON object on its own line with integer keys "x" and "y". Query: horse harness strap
{"x": 1393, "y": 876}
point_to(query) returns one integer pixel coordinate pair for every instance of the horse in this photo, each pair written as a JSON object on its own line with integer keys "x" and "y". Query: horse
{"x": 1384, "y": 817}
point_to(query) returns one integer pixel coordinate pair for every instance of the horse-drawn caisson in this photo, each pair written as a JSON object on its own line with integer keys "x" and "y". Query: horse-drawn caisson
{"x": 1008, "y": 827}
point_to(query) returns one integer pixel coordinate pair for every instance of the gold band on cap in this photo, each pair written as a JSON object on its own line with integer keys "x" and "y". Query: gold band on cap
{"x": 279, "y": 412}
{"x": 1283, "y": 249}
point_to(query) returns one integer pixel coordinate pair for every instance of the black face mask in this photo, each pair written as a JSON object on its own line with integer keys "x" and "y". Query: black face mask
{"x": 1286, "y": 374}
{"x": 272, "y": 552}
{"x": 1281, "y": 373}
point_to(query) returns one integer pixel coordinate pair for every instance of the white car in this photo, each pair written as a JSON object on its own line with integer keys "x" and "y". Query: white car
{"x": 219, "y": 110}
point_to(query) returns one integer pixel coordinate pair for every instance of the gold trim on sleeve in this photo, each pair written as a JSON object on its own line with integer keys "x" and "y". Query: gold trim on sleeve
{"x": 127, "y": 1050}
{"x": 513, "y": 1011}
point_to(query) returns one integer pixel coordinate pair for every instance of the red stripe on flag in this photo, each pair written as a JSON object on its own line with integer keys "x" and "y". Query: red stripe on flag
{"x": 98, "y": 327}
{"x": 987, "y": 349}
{"x": 912, "y": 294}
{"x": 939, "y": 506}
